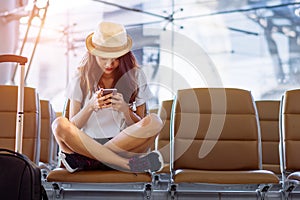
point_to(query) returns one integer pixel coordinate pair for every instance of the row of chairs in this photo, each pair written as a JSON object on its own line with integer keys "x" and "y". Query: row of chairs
{"x": 38, "y": 142}
{"x": 278, "y": 131}
{"x": 210, "y": 118}
{"x": 216, "y": 142}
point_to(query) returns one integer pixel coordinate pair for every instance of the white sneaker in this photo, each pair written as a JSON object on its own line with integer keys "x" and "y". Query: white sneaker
{"x": 63, "y": 157}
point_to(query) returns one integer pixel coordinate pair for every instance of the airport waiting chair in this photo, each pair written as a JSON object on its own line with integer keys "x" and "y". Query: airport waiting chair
{"x": 216, "y": 145}
{"x": 31, "y": 123}
{"x": 84, "y": 184}
{"x": 268, "y": 113}
{"x": 48, "y": 153}
{"x": 290, "y": 141}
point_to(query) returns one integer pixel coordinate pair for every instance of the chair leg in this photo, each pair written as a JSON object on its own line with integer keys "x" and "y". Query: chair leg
{"x": 173, "y": 191}
{"x": 148, "y": 191}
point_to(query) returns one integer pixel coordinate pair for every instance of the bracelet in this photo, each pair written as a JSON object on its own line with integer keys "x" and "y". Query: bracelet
{"x": 132, "y": 106}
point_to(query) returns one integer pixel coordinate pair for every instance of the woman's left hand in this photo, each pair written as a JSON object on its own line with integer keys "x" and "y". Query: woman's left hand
{"x": 118, "y": 103}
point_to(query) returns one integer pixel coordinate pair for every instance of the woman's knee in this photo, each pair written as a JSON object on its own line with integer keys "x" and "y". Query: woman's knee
{"x": 155, "y": 121}
{"x": 60, "y": 126}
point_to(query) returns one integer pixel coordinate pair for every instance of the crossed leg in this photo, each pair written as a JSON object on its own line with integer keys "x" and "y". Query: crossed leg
{"x": 136, "y": 138}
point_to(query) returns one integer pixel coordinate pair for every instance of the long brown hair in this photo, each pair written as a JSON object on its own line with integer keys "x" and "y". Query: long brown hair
{"x": 125, "y": 79}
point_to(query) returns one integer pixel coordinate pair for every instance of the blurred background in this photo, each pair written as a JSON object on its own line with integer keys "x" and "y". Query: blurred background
{"x": 248, "y": 44}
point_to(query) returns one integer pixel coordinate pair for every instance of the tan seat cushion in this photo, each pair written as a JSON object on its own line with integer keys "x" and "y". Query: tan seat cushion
{"x": 226, "y": 177}
{"x": 95, "y": 176}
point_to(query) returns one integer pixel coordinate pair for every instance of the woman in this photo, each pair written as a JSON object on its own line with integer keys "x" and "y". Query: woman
{"x": 108, "y": 130}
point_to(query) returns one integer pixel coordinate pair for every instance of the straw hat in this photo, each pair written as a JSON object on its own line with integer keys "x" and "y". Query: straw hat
{"x": 110, "y": 40}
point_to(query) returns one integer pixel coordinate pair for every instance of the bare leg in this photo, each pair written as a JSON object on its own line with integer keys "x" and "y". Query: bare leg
{"x": 71, "y": 139}
{"x": 136, "y": 138}
{"x": 145, "y": 147}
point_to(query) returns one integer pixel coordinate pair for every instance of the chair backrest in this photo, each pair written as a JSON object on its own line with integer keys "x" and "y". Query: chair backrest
{"x": 66, "y": 109}
{"x": 154, "y": 110}
{"x": 31, "y": 122}
{"x": 48, "y": 143}
{"x": 290, "y": 129}
{"x": 215, "y": 129}
{"x": 268, "y": 112}
{"x": 163, "y": 139}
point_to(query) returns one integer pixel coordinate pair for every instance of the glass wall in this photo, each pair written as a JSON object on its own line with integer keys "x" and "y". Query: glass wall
{"x": 252, "y": 44}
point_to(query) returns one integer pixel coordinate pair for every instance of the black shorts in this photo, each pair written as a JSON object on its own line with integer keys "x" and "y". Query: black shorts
{"x": 95, "y": 164}
{"x": 102, "y": 140}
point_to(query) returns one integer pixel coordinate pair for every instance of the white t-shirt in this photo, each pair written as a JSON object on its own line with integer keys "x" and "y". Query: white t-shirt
{"x": 106, "y": 123}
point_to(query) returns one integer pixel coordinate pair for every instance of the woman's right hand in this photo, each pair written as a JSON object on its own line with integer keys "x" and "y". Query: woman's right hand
{"x": 99, "y": 101}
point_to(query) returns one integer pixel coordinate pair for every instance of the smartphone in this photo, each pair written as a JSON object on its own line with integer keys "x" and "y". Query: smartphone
{"x": 110, "y": 90}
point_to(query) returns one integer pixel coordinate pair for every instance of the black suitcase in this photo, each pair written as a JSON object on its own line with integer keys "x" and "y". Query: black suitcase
{"x": 20, "y": 178}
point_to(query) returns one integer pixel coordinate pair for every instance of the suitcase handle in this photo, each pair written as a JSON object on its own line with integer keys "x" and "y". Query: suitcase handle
{"x": 20, "y": 112}
{"x": 13, "y": 58}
